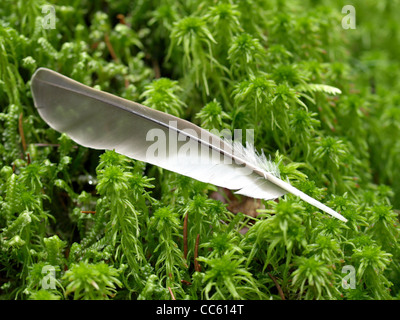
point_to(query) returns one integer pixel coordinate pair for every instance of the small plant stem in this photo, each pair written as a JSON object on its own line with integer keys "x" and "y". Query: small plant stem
{"x": 185, "y": 241}
{"x": 110, "y": 48}
{"x": 196, "y": 253}
{"x": 21, "y": 132}
{"x": 121, "y": 18}
{"x": 188, "y": 283}
{"x": 156, "y": 68}
{"x": 277, "y": 286}
{"x": 88, "y": 211}
{"x": 171, "y": 293}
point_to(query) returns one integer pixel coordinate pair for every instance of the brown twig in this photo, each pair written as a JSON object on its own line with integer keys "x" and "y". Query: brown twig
{"x": 188, "y": 283}
{"x": 114, "y": 56}
{"x": 121, "y": 18}
{"x": 88, "y": 211}
{"x": 21, "y": 131}
{"x": 277, "y": 286}
{"x": 126, "y": 82}
{"x": 185, "y": 242}
{"x": 171, "y": 293}
{"x": 156, "y": 68}
{"x": 110, "y": 48}
{"x": 196, "y": 253}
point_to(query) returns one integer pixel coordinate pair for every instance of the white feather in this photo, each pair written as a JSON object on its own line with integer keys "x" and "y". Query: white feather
{"x": 99, "y": 120}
